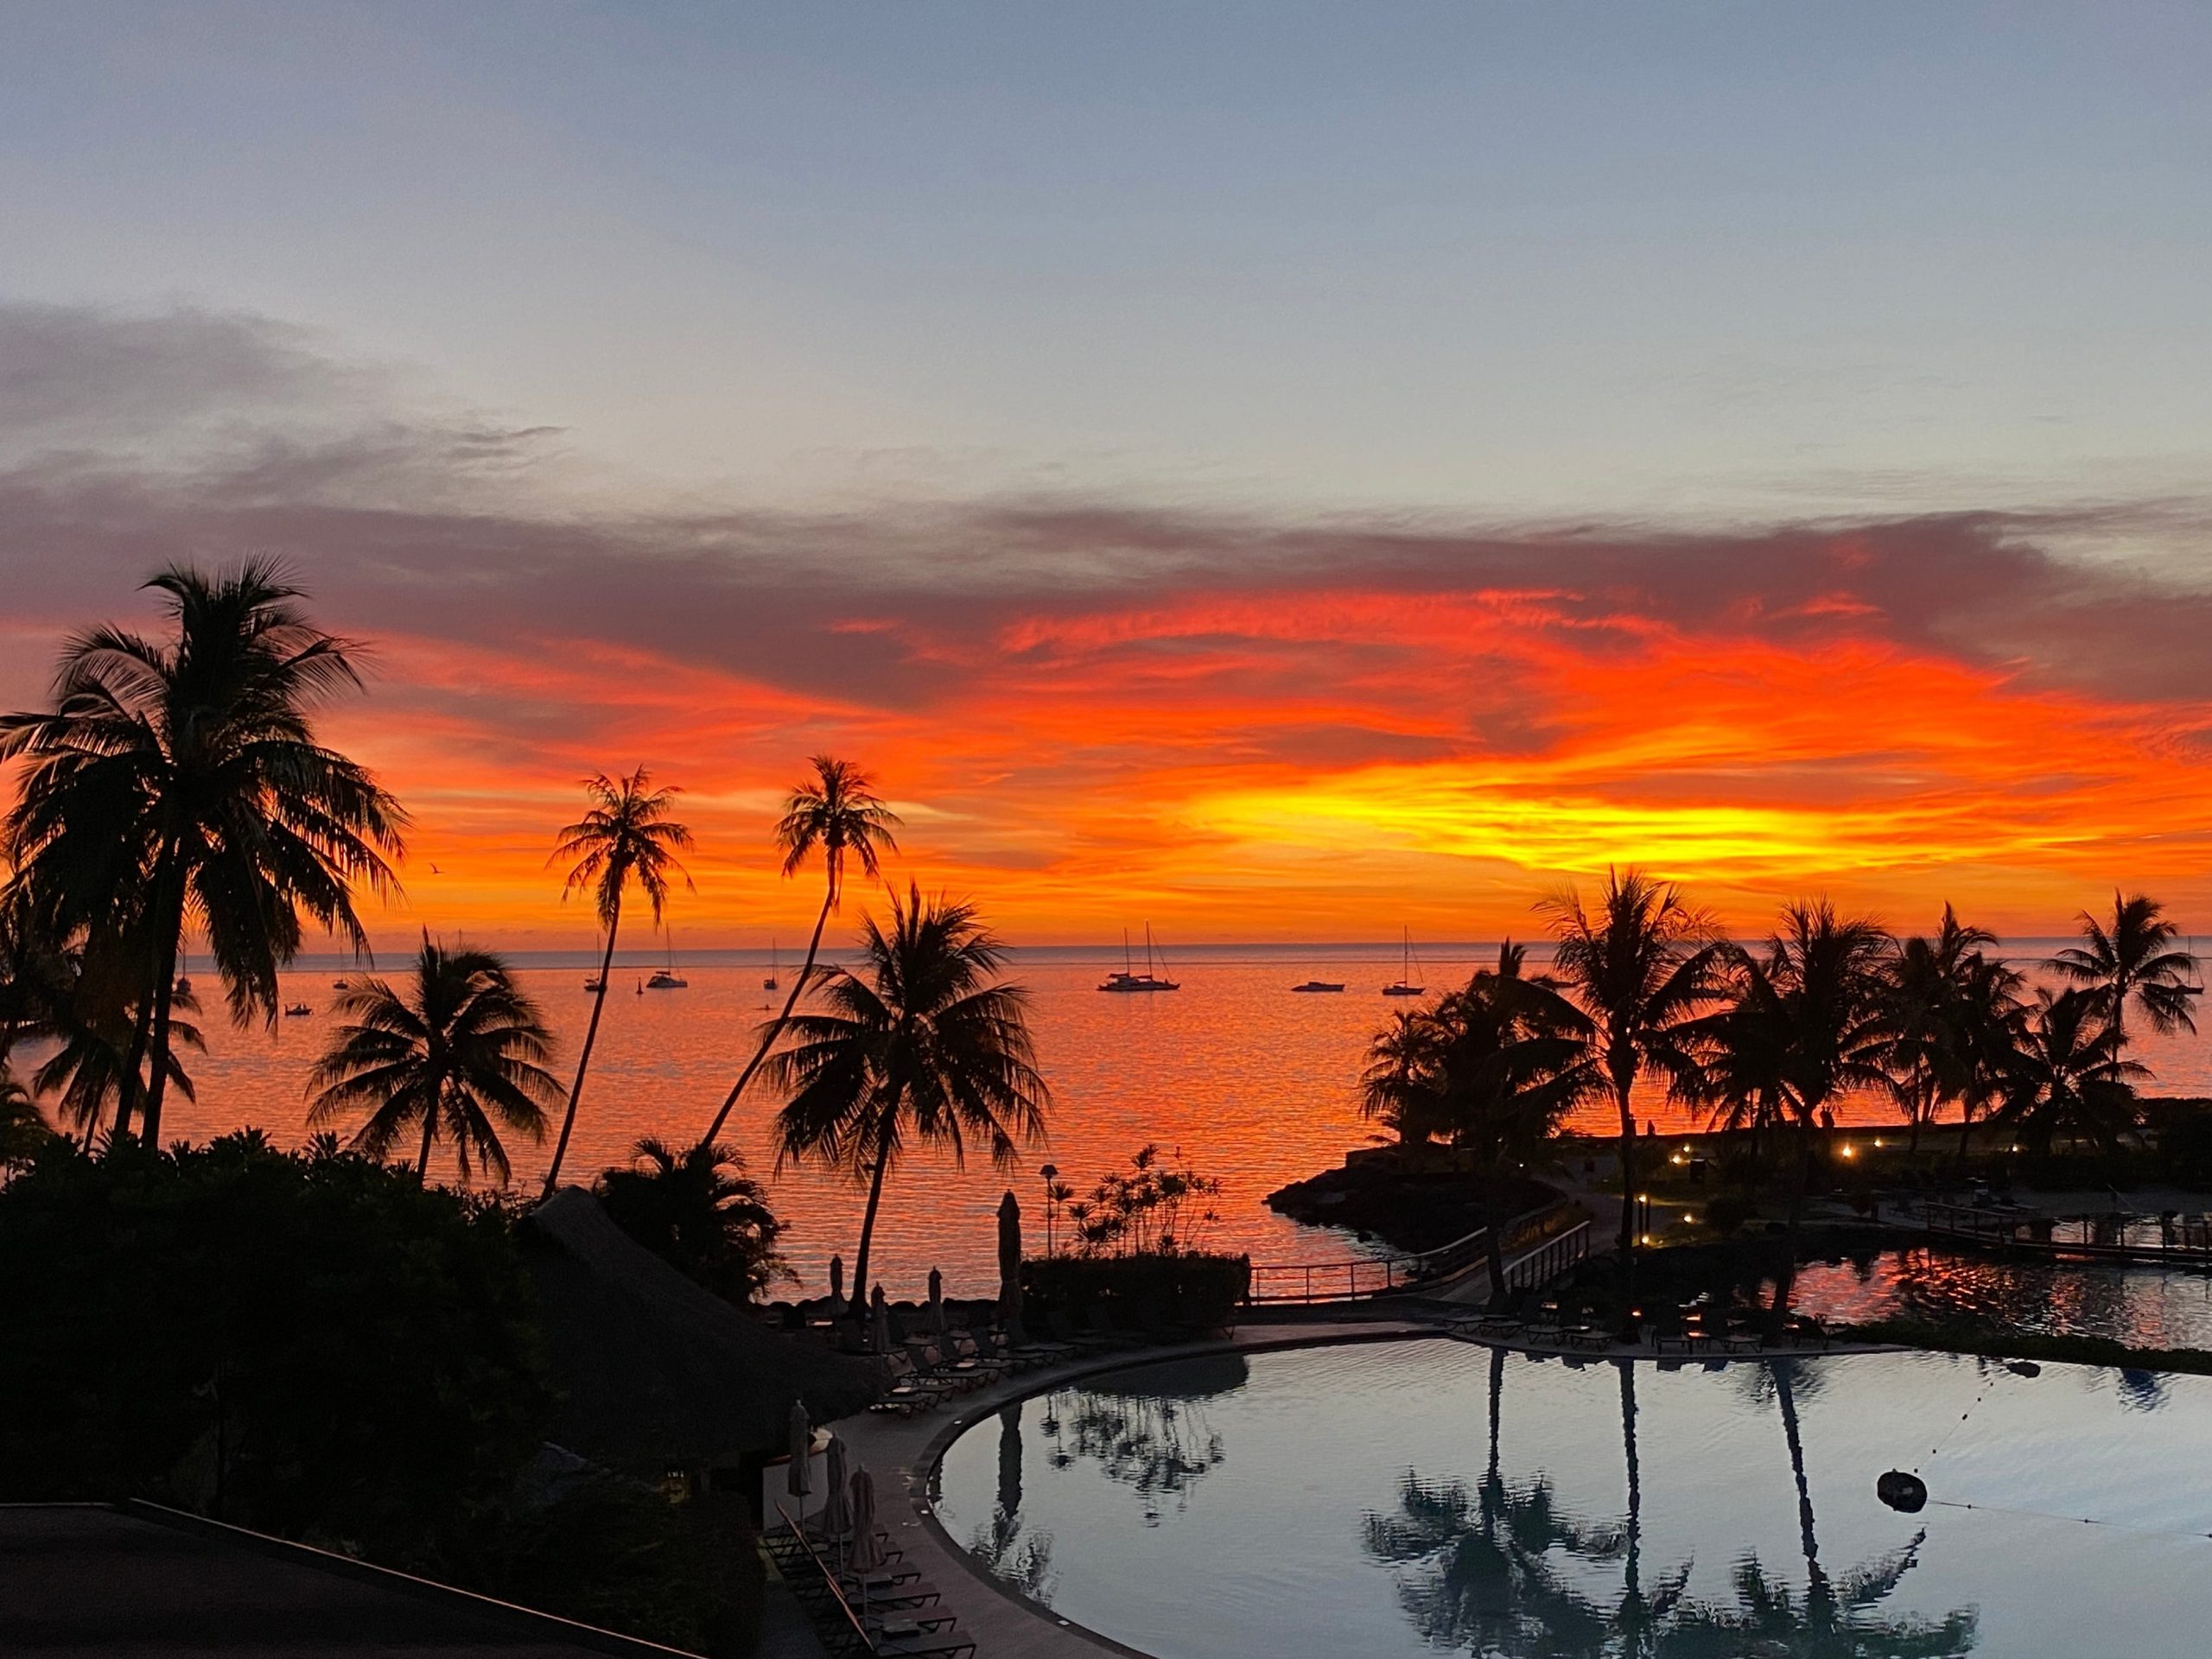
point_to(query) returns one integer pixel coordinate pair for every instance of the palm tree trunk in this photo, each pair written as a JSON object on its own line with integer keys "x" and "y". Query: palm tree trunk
{"x": 1785, "y": 1278}
{"x": 1632, "y": 1598}
{"x": 157, "y": 1050}
{"x": 868, "y": 1230}
{"x": 1628, "y": 1204}
{"x": 591, "y": 1035}
{"x": 128, "y": 1087}
{"x": 429, "y": 1129}
{"x": 768, "y": 1039}
{"x": 1816, "y": 1589}
{"x": 1494, "y": 1257}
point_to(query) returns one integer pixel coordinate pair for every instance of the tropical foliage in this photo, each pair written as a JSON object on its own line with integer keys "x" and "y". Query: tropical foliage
{"x": 923, "y": 1048}
{"x": 1153, "y": 1208}
{"x": 451, "y": 1055}
{"x": 625, "y": 839}
{"x": 178, "y": 782}
{"x": 698, "y": 1211}
{"x": 837, "y": 816}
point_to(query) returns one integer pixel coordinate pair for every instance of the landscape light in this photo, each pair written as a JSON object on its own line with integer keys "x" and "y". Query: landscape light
{"x": 1850, "y": 1150}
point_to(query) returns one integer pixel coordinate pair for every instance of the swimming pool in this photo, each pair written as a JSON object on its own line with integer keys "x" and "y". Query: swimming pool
{"x": 1413, "y": 1497}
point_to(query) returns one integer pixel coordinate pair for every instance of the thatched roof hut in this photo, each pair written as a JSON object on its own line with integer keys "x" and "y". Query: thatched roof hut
{"x": 658, "y": 1372}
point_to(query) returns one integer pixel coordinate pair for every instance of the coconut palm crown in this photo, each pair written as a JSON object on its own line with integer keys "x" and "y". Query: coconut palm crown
{"x": 453, "y": 1054}
{"x": 180, "y": 781}
{"x": 2131, "y": 961}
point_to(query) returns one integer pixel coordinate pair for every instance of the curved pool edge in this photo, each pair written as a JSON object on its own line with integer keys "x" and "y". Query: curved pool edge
{"x": 1007, "y": 1623}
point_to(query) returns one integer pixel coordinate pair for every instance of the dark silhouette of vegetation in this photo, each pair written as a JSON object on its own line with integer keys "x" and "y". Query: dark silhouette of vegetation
{"x": 698, "y": 1211}
{"x": 1639, "y": 967}
{"x": 838, "y": 814}
{"x": 179, "y": 782}
{"x": 451, "y": 1056}
{"x": 2067, "y": 1076}
{"x": 2130, "y": 962}
{"x": 626, "y": 838}
{"x": 1154, "y": 1209}
{"x": 925, "y": 1047}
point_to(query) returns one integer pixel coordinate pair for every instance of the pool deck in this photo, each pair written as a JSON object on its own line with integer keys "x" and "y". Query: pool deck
{"x": 901, "y": 1452}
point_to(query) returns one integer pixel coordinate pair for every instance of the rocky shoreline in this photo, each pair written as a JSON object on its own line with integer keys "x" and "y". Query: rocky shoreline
{"x": 1409, "y": 1211}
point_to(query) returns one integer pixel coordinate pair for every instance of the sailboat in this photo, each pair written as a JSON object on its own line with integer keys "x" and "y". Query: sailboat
{"x": 183, "y": 987}
{"x": 1128, "y": 979}
{"x": 769, "y": 984}
{"x": 667, "y": 979}
{"x": 2195, "y": 986}
{"x": 1404, "y": 985}
{"x": 593, "y": 980}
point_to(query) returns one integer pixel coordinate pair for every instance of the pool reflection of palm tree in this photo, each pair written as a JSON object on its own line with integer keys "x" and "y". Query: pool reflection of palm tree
{"x": 1022, "y": 1562}
{"x": 1483, "y": 1573}
{"x": 1157, "y": 1441}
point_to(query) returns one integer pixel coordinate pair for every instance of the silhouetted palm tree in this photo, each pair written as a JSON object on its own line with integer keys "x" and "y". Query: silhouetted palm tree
{"x": 81, "y": 1002}
{"x": 626, "y": 836}
{"x": 1930, "y": 983}
{"x": 455, "y": 1054}
{"x": 180, "y": 780}
{"x": 1988, "y": 1026}
{"x": 2067, "y": 1076}
{"x": 23, "y": 1126}
{"x": 837, "y": 814}
{"x": 1641, "y": 968}
{"x": 2132, "y": 961}
{"x": 1398, "y": 1090}
{"x": 698, "y": 1211}
{"x": 924, "y": 1047}
{"x": 1816, "y": 997}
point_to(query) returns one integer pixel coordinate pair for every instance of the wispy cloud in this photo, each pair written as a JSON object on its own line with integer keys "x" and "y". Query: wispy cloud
{"x": 1247, "y": 723}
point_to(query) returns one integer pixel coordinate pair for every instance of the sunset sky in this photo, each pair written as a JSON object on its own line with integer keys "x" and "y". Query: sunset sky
{"x": 1280, "y": 471}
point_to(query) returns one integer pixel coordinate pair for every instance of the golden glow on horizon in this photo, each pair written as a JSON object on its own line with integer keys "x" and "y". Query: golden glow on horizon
{"x": 1316, "y": 766}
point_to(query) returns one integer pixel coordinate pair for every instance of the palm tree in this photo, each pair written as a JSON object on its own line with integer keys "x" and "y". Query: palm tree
{"x": 1641, "y": 968}
{"x": 1399, "y": 1087}
{"x": 23, "y": 1126}
{"x": 698, "y": 1211}
{"x": 1929, "y": 981}
{"x": 838, "y": 814}
{"x": 1988, "y": 1027}
{"x": 180, "y": 780}
{"x": 459, "y": 1048}
{"x": 2068, "y": 1077}
{"x": 626, "y": 836}
{"x": 925, "y": 1048}
{"x": 2132, "y": 961}
{"x": 1816, "y": 1000}
{"x": 83, "y": 1001}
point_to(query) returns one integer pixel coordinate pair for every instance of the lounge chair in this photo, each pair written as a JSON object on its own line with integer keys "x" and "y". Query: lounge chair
{"x": 1082, "y": 1342}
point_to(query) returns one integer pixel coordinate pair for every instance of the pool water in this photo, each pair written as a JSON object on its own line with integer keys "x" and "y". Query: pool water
{"x": 1413, "y": 1497}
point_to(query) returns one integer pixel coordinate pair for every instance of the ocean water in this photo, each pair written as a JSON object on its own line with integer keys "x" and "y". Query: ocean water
{"x": 1255, "y": 1085}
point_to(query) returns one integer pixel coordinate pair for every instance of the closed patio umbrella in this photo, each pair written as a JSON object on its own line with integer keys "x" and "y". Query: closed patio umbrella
{"x": 837, "y": 1280}
{"x": 937, "y": 1303}
{"x": 796, "y": 1481}
{"x": 867, "y": 1550}
{"x": 836, "y": 1517}
{"x": 881, "y": 1310}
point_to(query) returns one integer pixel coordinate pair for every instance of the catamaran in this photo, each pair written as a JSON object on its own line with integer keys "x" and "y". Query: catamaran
{"x": 2195, "y": 985}
{"x": 1128, "y": 979}
{"x": 1404, "y": 985}
{"x": 667, "y": 979}
{"x": 769, "y": 984}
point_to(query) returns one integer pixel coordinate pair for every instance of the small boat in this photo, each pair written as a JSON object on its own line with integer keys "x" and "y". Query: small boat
{"x": 1128, "y": 979}
{"x": 297, "y": 1010}
{"x": 183, "y": 987}
{"x": 594, "y": 983}
{"x": 667, "y": 979}
{"x": 769, "y": 984}
{"x": 1404, "y": 985}
{"x": 2194, "y": 986}
{"x": 1315, "y": 985}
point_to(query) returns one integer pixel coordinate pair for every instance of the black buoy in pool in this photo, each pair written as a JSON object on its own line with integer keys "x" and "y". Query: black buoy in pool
{"x": 1900, "y": 1490}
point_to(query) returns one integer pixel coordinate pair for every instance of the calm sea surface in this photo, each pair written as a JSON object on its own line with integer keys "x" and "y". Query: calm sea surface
{"x": 1256, "y": 1085}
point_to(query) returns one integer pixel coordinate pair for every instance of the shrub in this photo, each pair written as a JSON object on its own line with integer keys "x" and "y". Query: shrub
{"x": 1138, "y": 1290}
{"x": 1729, "y": 1209}
{"x": 314, "y": 1345}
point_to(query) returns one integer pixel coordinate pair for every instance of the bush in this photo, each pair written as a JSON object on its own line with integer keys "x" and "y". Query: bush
{"x": 1139, "y": 1290}
{"x": 1729, "y": 1209}
{"x": 314, "y": 1345}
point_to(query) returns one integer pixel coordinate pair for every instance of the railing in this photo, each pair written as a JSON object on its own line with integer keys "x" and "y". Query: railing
{"x": 1363, "y": 1278}
{"x": 2118, "y": 1237}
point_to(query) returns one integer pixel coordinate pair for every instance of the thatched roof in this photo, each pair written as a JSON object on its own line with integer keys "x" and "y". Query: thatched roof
{"x": 657, "y": 1370}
